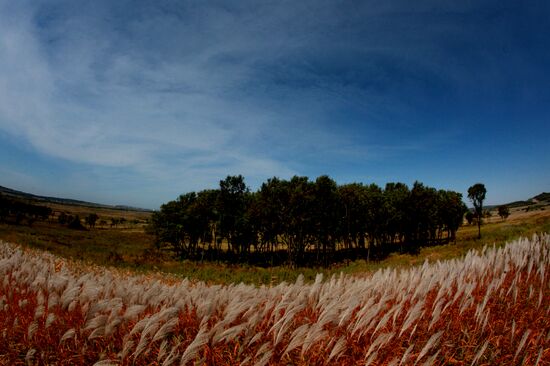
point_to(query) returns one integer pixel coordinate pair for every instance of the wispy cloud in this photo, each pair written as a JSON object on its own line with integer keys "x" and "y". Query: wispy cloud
{"x": 188, "y": 92}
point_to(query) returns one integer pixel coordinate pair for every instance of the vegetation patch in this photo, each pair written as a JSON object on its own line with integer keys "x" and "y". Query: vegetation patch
{"x": 492, "y": 307}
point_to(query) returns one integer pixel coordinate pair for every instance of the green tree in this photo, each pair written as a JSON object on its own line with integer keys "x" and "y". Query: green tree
{"x": 375, "y": 218}
{"x": 168, "y": 225}
{"x": 353, "y": 215}
{"x": 476, "y": 194}
{"x": 326, "y": 217}
{"x": 91, "y": 219}
{"x": 63, "y": 218}
{"x": 232, "y": 201}
{"x": 204, "y": 209}
{"x": 396, "y": 197}
{"x": 503, "y": 212}
{"x": 316, "y": 222}
{"x": 271, "y": 210}
{"x": 74, "y": 223}
{"x": 469, "y": 216}
{"x": 451, "y": 212}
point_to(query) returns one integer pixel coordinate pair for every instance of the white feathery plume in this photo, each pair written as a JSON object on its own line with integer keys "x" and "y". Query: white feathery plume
{"x": 393, "y": 362}
{"x": 314, "y": 334}
{"x": 540, "y": 356}
{"x": 106, "y": 363}
{"x": 30, "y": 355}
{"x": 165, "y": 329}
{"x": 138, "y": 327}
{"x": 297, "y": 338}
{"x": 265, "y": 358}
{"x": 430, "y": 361}
{"x": 255, "y": 338}
{"x": 162, "y": 350}
{"x": 49, "y": 320}
{"x": 522, "y": 342}
{"x": 480, "y": 352}
{"x": 337, "y": 349}
{"x": 97, "y": 332}
{"x": 133, "y": 311}
{"x": 230, "y": 333}
{"x": 39, "y": 312}
{"x": 382, "y": 339}
{"x": 513, "y": 332}
{"x": 369, "y": 360}
{"x": 191, "y": 352}
{"x": 126, "y": 347}
{"x": 434, "y": 339}
{"x": 406, "y": 355}
{"x": 33, "y": 327}
{"x": 382, "y": 323}
{"x": 68, "y": 334}
{"x": 413, "y": 315}
{"x": 96, "y": 322}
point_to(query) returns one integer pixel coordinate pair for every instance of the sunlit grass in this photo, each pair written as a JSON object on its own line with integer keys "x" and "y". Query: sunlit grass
{"x": 133, "y": 250}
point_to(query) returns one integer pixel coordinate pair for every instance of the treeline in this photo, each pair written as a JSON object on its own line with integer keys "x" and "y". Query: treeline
{"x": 303, "y": 222}
{"x": 19, "y": 211}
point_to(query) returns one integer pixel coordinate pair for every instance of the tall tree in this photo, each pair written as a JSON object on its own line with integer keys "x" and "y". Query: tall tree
{"x": 354, "y": 212}
{"x": 232, "y": 200}
{"x": 299, "y": 227}
{"x": 326, "y": 216}
{"x": 476, "y": 194}
{"x": 451, "y": 211}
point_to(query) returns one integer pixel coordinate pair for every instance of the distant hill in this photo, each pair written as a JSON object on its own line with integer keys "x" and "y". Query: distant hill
{"x": 65, "y": 201}
{"x": 544, "y": 196}
{"x": 540, "y": 199}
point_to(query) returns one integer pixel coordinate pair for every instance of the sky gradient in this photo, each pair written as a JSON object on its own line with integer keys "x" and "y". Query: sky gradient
{"x": 136, "y": 102}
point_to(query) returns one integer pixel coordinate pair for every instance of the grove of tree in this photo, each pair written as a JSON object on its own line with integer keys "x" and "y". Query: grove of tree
{"x": 19, "y": 211}
{"x": 302, "y": 222}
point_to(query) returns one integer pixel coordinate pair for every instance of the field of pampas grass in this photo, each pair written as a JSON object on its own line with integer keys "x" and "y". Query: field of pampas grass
{"x": 489, "y": 308}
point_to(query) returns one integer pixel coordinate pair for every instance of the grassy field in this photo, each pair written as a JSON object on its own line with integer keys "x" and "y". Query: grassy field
{"x": 489, "y": 308}
{"x": 127, "y": 246}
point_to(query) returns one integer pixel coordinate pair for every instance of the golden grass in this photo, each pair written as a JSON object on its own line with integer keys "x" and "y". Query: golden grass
{"x": 130, "y": 248}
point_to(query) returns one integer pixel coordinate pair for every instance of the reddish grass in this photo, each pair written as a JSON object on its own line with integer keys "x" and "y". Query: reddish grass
{"x": 491, "y": 308}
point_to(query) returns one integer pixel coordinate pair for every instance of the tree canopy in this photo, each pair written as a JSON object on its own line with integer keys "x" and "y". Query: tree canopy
{"x": 476, "y": 194}
{"x": 304, "y": 222}
{"x": 503, "y": 211}
{"x": 19, "y": 211}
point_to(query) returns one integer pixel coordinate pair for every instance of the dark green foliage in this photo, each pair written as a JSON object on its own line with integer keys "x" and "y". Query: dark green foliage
{"x": 115, "y": 221}
{"x": 476, "y": 194}
{"x": 75, "y": 224}
{"x": 301, "y": 222}
{"x": 544, "y": 196}
{"x": 19, "y": 211}
{"x": 234, "y": 221}
{"x": 63, "y": 218}
{"x": 503, "y": 211}
{"x": 469, "y": 217}
{"x": 91, "y": 219}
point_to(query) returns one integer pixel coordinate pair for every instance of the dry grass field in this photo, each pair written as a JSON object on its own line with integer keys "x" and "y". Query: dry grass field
{"x": 129, "y": 247}
{"x": 489, "y": 308}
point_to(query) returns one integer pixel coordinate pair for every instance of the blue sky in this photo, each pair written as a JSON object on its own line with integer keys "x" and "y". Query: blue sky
{"x": 136, "y": 102}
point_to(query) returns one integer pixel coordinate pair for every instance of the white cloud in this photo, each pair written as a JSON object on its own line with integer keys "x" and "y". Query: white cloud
{"x": 125, "y": 113}
{"x": 189, "y": 92}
